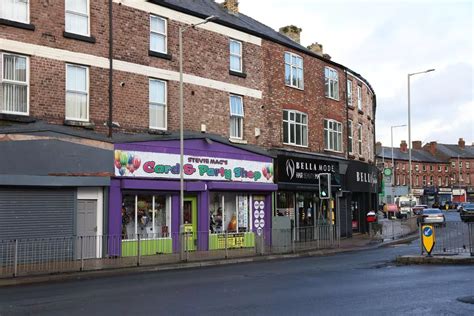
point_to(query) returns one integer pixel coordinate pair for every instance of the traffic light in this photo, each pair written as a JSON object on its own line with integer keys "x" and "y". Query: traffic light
{"x": 324, "y": 186}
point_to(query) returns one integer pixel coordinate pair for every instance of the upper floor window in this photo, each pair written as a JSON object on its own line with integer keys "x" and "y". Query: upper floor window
{"x": 417, "y": 180}
{"x": 403, "y": 166}
{"x": 446, "y": 181}
{"x": 439, "y": 168}
{"x": 367, "y": 101}
{"x": 14, "y": 83}
{"x": 158, "y": 31}
{"x": 236, "y": 117}
{"x": 453, "y": 164}
{"x": 77, "y": 93}
{"x": 350, "y": 136}
{"x": 468, "y": 178}
{"x": 77, "y": 17}
{"x": 431, "y": 180}
{"x": 157, "y": 104}
{"x": 332, "y": 135}
{"x": 349, "y": 92}
{"x": 424, "y": 181}
{"x": 460, "y": 165}
{"x": 446, "y": 168}
{"x": 424, "y": 167}
{"x": 332, "y": 83}
{"x": 293, "y": 70}
{"x": 359, "y": 138}
{"x": 15, "y": 10}
{"x": 359, "y": 97}
{"x": 295, "y": 128}
{"x": 417, "y": 167}
{"x": 431, "y": 168}
{"x": 235, "y": 55}
{"x": 468, "y": 165}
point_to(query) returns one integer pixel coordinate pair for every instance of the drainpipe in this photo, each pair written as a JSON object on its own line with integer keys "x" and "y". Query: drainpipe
{"x": 111, "y": 69}
{"x": 347, "y": 118}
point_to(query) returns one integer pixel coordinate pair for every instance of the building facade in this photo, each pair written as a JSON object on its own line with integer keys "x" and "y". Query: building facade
{"x": 106, "y": 80}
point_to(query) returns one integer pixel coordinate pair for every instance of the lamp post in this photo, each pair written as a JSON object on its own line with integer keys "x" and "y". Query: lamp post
{"x": 409, "y": 130}
{"x": 393, "y": 163}
{"x": 181, "y": 132}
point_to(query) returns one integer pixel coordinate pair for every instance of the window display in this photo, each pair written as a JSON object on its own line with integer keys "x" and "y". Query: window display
{"x": 147, "y": 215}
{"x": 229, "y": 212}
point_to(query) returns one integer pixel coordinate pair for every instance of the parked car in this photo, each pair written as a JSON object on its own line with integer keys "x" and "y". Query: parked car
{"x": 467, "y": 213}
{"x": 431, "y": 216}
{"x": 461, "y": 206}
{"x": 418, "y": 208}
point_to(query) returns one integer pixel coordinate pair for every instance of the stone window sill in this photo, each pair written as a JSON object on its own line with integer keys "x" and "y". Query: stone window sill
{"x": 160, "y": 55}
{"x": 17, "y": 118}
{"x": 87, "y": 125}
{"x": 25, "y": 26}
{"x": 238, "y": 74}
{"x": 88, "y": 39}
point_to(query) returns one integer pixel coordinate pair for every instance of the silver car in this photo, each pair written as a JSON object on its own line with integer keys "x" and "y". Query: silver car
{"x": 433, "y": 216}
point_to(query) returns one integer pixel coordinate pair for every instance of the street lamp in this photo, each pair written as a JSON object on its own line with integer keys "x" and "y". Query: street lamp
{"x": 181, "y": 137}
{"x": 393, "y": 164}
{"x": 409, "y": 129}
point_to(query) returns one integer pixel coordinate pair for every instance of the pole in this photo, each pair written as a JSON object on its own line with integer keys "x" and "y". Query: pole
{"x": 409, "y": 142}
{"x": 111, "y": 68}
{"x": 393, "y": 166}
{"x": 181, "y": 137}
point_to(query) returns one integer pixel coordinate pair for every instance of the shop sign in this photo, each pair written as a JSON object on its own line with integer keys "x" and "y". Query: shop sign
{"x": 459, "y": 191}
{"x": 163, "y": 165}
{"x": 233, "y": 240}
{"x": 444, "y": 191}
{"x": 417, "y": 192}
{"x": 362, "y": 177}
{"x": 303, "y": 170}
{"x": 259, "y": 213}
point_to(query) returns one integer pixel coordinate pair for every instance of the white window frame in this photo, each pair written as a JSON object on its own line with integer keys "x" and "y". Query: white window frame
{"x": 440, "y": 181}
{"x": 349, "y": 92}
{"x": 239, "y": 56}
{"x": 291, "y": 70}
{"x": 296, "y": 125}
{"x": 13, "y": 3}
{"x": 66, "y": 12}
{"x": 331, "y": 94}
{"x": 165, "y": 34}
{"x": 468, "y": 165}
{"x": 359, "y": 139}
{"x": 150, "y": 103}
{"x": 417, "y": 180}
{"x": 439, "y": 168}
{"x": 26, "y": 83}
{"x": 87, "y": 92}
{"x": 333, "y": 127}
{"x": 446, "y": 180}
{"x": 350, "y": 134}
{"x": 240, "y": 117}
{"x": 431, "y": 181}
{"x": 424, "y": 181}
{"x": 359, "y": 97}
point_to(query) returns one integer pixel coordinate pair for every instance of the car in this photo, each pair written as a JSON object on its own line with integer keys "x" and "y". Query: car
{"x": 418, "y": 208}
{"x": 461, "y": 206}
{"x": 467, "y": 213}
{"x": 431, "y": 216}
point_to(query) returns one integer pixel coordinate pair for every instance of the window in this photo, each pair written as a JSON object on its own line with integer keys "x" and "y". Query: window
{"x": 403, "y": 166}
{"x": 368, "y": 101}
{"x": 359, "y": 137}
{"x": 77, "y": 17}
{"x": 397, "y": 164}
{"x": 424, "y": 181}
{"x": 359, "y": 97}
{"x": 158, "y": 31}
{"x": 417, "y": 167}
{"x": 398, "y": 180}
{"x": 431, "y": 168}
{"x": 440, "y": 181}
{"x": 14, "y": 84}
{"x": 431, "y": 180}
{"x": 349, "y": 92}
{"x": 158, "y": 109}
{"x": 77, "y": 93}
{"x": 236, "y": 117}
{"x": 350, "y": 136}
{"x": 446, "y": 168}
{"x": 293, "y": 70}
{"x": 446, "y": 180}
{"x": 229, "y": 212}
{"x": 453, "y": 164}
{"x": 147, "y": 215}
{"x": 332, "y": 83}
{"x": 15, "y": 10}
{"x": 332, "y": 135}
{"x": 467, "y": 165}
{"x": 404, "y": 180}
{"x": 417, "y": 180}
{"x": 424, "y": 167}
{"x": 468, "y": 178}
{"x": 460, "y": 165}
{"x": 439, "y": 168}
{"x": 235, "y": 55}
{"x": 295, "y": 128}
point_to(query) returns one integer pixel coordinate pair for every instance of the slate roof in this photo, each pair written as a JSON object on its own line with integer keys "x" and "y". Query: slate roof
{"x": 242, "y": 22}
{"x": 443, "y": 150}
{"x": 453, "y": 151}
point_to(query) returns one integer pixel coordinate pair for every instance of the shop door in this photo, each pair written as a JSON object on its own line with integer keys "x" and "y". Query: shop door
{"x": 190, "y": 222}
{"x": 87, "y": 228}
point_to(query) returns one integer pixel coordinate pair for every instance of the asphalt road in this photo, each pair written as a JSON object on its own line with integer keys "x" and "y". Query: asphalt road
{"x": 356, "y": 283}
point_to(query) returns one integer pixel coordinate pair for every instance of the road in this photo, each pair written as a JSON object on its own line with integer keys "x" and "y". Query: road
{"x": 356, "y": 283}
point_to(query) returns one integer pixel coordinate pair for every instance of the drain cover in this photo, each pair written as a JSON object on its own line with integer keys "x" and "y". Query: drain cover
{"x": 466, "y": 299}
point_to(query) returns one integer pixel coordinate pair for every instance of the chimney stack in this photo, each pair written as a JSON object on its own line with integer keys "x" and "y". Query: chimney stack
{"x": 403, "y": 147}
{"x": 232, "y": 6}
{"x": 461, "y": 143}
{"x": 316, "y": 48}
{"x": 416, "y": 144}
{"x": 432, "y": 148}
{"x": 292, "y": 32}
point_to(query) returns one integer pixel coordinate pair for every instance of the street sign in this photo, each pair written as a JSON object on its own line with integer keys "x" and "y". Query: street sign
{"x": 428, "y": 238}
{"x": 387, "y": 172}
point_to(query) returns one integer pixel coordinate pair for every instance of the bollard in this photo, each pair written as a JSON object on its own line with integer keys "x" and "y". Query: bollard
{"x": 138, "y": 250}
{"x": 225, "y": 245}
{"x": 15, "y": 260}
{"x": 82, "y": 254}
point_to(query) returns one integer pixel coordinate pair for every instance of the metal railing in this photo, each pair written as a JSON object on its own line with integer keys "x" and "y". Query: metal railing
{"x": 19, "y": 257}
{"x": 452, "y": 238}
{"x": 391, "y": 229}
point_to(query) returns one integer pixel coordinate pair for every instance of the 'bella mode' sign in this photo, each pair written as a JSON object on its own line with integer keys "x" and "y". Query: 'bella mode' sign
{"x": 162, "y": 165}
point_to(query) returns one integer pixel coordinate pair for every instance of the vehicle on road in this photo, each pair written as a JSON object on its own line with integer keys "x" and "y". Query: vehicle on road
{"x": 405, "y": 204}
{"x": 461, "y": 205}
{"x": 418, "y": 208}
{"x": 467, "y": 213}
{"x": 432, "y": 216}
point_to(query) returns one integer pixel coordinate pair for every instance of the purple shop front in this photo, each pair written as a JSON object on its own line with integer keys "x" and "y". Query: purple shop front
{"x": 227, "y": 203}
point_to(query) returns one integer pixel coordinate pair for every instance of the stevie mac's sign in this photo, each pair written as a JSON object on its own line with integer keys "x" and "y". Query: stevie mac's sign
{"x": 163, "y": 165}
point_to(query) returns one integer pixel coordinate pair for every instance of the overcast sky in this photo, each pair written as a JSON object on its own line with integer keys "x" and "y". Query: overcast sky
{"x": 384, "y": 40}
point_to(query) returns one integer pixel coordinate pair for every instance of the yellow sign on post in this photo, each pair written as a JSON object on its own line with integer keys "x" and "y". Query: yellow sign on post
{"x": 428, "y": 238}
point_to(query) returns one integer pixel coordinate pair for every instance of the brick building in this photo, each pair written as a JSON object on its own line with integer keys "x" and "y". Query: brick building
{"x": 441, "y": 172}
{"x": 81, "y": 81}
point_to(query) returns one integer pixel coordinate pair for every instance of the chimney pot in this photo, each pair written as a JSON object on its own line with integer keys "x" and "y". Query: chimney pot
{"x": 232, "y": 6}
{"x": 416, "y": 144}
{"x": 292, "y": 32}
{"x": 316, "y": 48}
{"x": 461, "y": 143}
{"x": 403, "y": 146}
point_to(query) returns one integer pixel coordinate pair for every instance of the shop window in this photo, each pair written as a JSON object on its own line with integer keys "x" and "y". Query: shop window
{"x": 14, "y": 84}
{"x": 229, "y": 212}
{"x": 286, "y": 204}
{"x": 147, "y": 215}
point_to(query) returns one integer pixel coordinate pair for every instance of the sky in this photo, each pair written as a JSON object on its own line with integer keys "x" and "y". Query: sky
{"x": 384, "y": 41}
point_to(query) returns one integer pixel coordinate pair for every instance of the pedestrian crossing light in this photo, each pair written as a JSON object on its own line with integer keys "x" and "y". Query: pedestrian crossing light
{"x": 324, "y": 186}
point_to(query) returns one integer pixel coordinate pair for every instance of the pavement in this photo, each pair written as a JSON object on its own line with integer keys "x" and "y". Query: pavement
{"x": 358, "y": 242}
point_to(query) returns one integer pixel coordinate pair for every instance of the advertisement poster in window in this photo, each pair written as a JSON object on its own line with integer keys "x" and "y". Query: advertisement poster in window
{"x": 243, "y": 212}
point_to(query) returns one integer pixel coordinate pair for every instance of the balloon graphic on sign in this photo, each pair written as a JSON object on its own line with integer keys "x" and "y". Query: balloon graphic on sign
{"x": 126, "y": 163}
{"x": 136, "y": 162}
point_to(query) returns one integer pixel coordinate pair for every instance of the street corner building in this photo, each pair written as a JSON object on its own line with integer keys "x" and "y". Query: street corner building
{"x": 90, "y": 114}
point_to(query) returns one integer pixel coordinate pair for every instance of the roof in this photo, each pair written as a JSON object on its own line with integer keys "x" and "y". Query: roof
{"x": 453, "y": 151}
{"x": 416, "y": 155}
{"x": 242, "y": 22}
